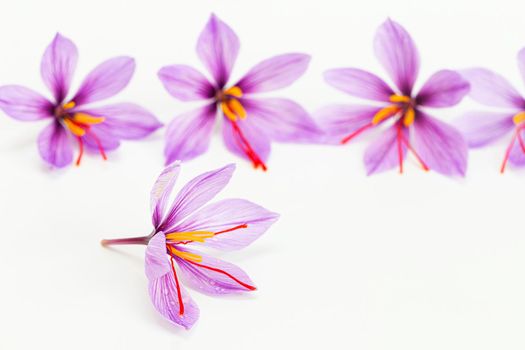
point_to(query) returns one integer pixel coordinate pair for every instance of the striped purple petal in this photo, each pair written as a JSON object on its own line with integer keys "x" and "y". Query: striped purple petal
{"x": 274, "y": 73}
{"x": 24, "y": 104}
{"x": 165, "y": 286}
{"x": 214, "y": 276}
{"x": 517, "y": 153}
{"x": 106, "y": 80}
{"x": 491, "y": 89}
{"x": 443, "y": 89}
{"x": 195, "y": 194}
{"x": 281, "y": 119}
{"x": 217, "y": 47}
{"x": 397, "y": 52}
{"x": 387, "y": 151}
{"x": 341, "y": 121}
{"x": 58, "y": 66}
{"x": 440, "y": 146}
{"x": 186, "y": 83}
{"x": 127, "y": 121}
{"x": 482, "y": 128}
{"x": 521, "y": 63}
{"x": 189, "y": 135}
{"x": 225, "y": 215}
{"x": 161, "y": 191}
{"x": 55, "y": 145}
{"x": 359, "y": 83}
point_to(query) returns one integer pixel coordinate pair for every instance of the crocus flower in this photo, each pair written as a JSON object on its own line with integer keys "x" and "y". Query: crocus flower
{"x": 435, "y": 144}
{"x": 189, "y": 224}
{"x": 249, "y": 123}
{"x": 73, "y": 119}
{"x": 485, "y": 127}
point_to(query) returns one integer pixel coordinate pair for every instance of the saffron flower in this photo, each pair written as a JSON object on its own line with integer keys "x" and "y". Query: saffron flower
{"x": 435, "y": 144}
{"x": 73, "y": 119}
{"x": 229, "y": 224}
{"x": 249, "y": 123}
{"x": 485, "y": 127}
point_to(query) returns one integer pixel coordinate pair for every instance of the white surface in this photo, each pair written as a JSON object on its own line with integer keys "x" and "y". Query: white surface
{"x": 416, "y": 261}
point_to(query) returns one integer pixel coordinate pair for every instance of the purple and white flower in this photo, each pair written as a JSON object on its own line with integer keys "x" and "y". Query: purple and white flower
{"x": 172, "y": 254}
{"x": 73, "y": 119}
{"x": 482, "y": 128}
{"x": 409, "y": 127}
{"x": 250, "y": 123}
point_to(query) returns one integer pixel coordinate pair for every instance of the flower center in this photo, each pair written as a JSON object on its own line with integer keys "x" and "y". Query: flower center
{"x": 402, "y": 106}
{"x": 79, "y": 124}
{"x": 519, "y": 118}
{"x": 229, "y": 103}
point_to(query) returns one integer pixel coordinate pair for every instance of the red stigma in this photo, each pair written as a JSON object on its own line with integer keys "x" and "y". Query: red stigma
{"x": 355, "y": 133}
{"x": 247, "y": 286}
{"x": 179, "y": 294}
{"x": 243, "y": 143}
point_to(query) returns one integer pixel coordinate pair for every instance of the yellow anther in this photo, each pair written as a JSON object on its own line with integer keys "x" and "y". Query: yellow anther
{"x": 87, "y": 119}
{"x": 75, "y": 129}
{"x": 236, "y": 107}
{"x": 197, "y": 236}
{"x": 228, "y": 112}
{"x": 519, "y": 118}
{"x": 185, "y": 255}
{"x": 410, "y": 116}
{"x": 400, "y": 99}
{"x": 234, "y": 91}
{"x": 385, "y": 113}
{"x": 69, "y": 105}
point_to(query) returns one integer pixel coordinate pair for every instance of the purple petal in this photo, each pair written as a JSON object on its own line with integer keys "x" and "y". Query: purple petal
{"x": 397, "y": 52}
{"x": 106, "y": 80}
{"x": 101, "y": 138}
{"x": 228, "y": 214}
{"x": 274, "y": 73}
{"x": 214, "y": 276}
{"x": 217, "y": 47}
{"x": 440, "y": 146}
{"x": 196, "y": 193}
{"x": 127, "y": 121}
{"x": 253, "y": 136}
{"x": 443, "y": 89}
{"x": 340, "y": 121}
{"x": 492, "y": 89}
{"x": 521, "y": 63}
{"x": 482, "y": 128}
{"x": 55, "y": 146}
{"x": 24, "y": 104}
{"x": 186, "y": 83}
{"x": 517, "y": 153}
{"x": 383, "y": 153}
{"x": 281, "y": 119}
{"x": 188, "y": 135}
{"x": 163, "y": 288}
{"x": 359, "y": 83}
{"x": 161, "y": 191}
{"x": 58, "y": 66}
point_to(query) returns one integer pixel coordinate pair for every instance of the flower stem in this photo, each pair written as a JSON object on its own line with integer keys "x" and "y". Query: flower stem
{"x": 132, "y": 240}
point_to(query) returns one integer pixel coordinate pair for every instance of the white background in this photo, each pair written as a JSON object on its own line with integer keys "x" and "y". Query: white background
{"x": 417, "y": 261}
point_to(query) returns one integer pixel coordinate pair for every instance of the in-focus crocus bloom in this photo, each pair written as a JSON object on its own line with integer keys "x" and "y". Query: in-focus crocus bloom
{"x": 482, "y": 128}
{"x": 435, "y": 144}
{"x": 249, "y": 123}
{"x": 73, "y": 120}
{"x": 229, "y": 224}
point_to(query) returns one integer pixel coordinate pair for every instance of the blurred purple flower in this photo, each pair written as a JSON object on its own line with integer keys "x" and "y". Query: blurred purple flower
{"x": 229, "y": 224}
{"x": 482, "y": 128}
{"x": 97, "y": 128}
{"x": 435, "y": 144}
{"x": 249, "y": 123}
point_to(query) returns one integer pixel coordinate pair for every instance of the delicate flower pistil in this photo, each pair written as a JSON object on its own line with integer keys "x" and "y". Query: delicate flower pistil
{"x": 229, "y": 224}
